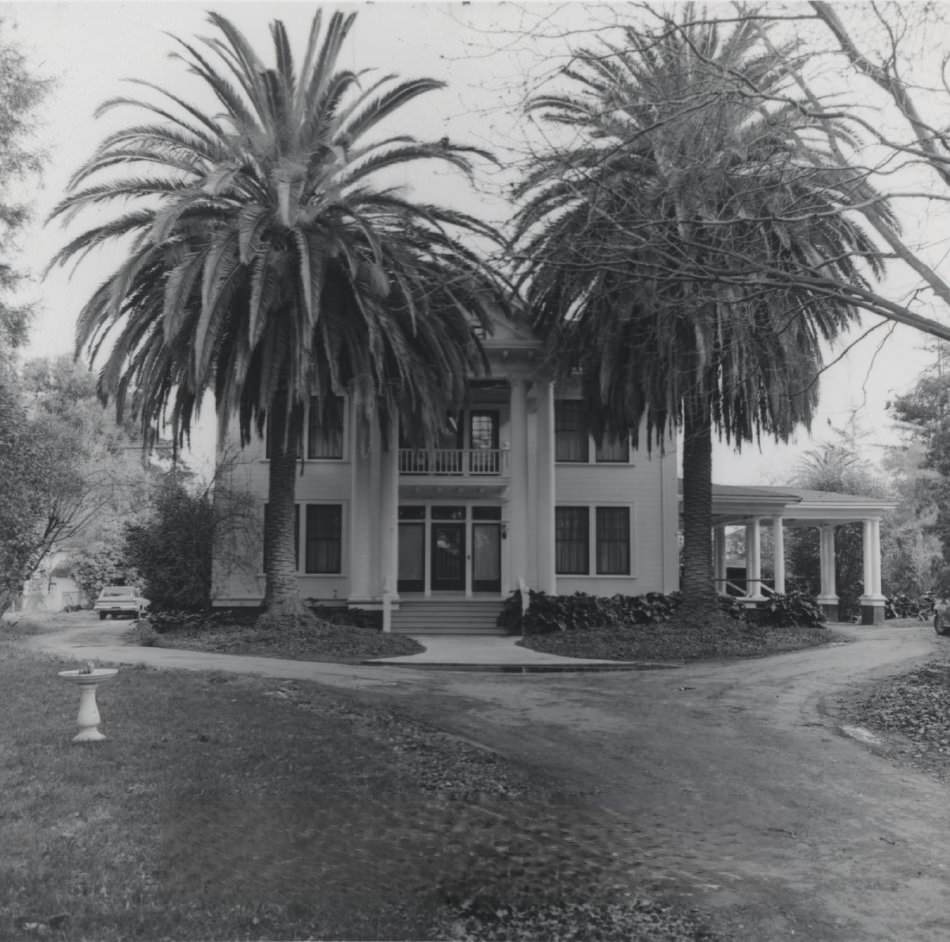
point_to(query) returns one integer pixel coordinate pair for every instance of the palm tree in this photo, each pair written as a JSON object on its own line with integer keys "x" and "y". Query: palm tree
{"x": 689, "y": 249}
{"x": 268, "y": 260}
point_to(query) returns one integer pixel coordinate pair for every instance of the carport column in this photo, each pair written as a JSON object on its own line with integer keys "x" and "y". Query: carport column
{"x": 828, "y": 598}
{"x": 544, "y": 508}
{"x": 753, "y": 560}
{"x": 719, "y": 558}
{"x": 778, "y": 554}
{"x": 872, "y": 602}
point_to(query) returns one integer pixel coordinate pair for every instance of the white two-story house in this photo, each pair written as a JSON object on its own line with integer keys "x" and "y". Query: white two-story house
{"x": 517, "y": 495}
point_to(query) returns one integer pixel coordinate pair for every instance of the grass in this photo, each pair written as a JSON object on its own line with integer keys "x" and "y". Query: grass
{"x": 225, "y": 807}
{"x": 322, "y": 642}
{"x": 670, "y": 641}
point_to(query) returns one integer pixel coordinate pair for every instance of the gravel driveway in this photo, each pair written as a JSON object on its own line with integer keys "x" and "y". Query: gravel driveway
{"x": 730, "y": 788}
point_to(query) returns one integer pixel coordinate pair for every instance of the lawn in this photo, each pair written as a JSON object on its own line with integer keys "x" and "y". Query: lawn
{"x": 344, "y": 644}
{"x": 670, "y": 641}
{"x": 225, "y": 807}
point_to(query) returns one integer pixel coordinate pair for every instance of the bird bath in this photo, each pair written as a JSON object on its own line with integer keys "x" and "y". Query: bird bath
{"x": 87, "y": 679}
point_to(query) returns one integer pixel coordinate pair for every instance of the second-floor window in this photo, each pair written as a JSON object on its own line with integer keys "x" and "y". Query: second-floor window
{"x": 572, "y": 440}
{"x": 325, "y": 428}
{"x": 570, "y": 431}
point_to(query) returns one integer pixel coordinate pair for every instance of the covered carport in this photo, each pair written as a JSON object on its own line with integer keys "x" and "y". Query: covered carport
{"x": 780, "y": 507}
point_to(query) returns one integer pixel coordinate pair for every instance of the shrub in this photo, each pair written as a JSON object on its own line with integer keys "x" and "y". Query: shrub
{"x": 796, "y": 609}
{"x": 172, "y": 550}
{"x": 547, "y": 614}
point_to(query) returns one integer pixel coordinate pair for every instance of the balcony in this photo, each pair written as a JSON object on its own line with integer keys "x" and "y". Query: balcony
{"x": 454, "y": 462}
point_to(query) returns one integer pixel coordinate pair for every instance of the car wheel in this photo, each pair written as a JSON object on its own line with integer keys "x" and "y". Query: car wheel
{"x": 102, "y": 616}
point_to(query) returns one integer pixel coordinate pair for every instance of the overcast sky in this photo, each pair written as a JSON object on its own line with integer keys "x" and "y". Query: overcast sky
{"x": 89, "y": 48}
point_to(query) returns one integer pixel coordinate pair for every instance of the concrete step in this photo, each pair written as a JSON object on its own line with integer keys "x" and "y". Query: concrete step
{"x": 447, "y": 617}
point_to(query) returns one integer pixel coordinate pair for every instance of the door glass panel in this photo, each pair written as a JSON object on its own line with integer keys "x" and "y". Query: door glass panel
{"x": 448, "y": 555}
{"x": 486, "y": 557}
{"x": 411, "y": 575}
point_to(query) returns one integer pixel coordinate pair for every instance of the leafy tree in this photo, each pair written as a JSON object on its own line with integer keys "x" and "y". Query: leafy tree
{"x": 101, "y": 563}
{"x": 924, "y": 416}
{"x": 269, "y": 259}
{"x": 690, "y": 247}
{"x": 171, "y": 550}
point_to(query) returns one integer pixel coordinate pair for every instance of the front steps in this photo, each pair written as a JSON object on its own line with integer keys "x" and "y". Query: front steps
{"x": 447, "y": 617}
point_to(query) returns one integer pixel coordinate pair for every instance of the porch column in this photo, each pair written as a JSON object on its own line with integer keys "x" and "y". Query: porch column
{"x": 778, "y": 554}
{"x": 516, "y": 513}
{"x": 872, "y": 602}
{"x": 719, "y": 558}
{"x": 827, "y": 598}
{"x": 753, "y": 560}
{"x": 544, "y": 505}
{"x": 388, "y": 524}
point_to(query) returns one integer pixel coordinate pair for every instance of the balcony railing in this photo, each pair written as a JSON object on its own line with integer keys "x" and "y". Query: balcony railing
{"x": 454, "y": 462}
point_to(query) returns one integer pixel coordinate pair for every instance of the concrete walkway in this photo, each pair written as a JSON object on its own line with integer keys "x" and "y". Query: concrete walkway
{"x": 103, "y": 642}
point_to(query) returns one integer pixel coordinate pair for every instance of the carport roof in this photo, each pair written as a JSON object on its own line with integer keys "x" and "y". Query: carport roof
{"x": 740, "y": 503}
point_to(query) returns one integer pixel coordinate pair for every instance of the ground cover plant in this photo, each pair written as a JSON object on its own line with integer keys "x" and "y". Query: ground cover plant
{"x": 229, "y": 807}
{"x": 641, "y": 627}
{"x": 911, "y": 713}
{"x": 331, "y": 636}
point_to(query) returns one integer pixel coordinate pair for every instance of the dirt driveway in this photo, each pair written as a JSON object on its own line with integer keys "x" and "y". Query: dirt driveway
{"x": 730, "y": 787}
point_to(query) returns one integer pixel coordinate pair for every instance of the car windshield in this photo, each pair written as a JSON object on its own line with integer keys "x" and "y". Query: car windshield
{"x": 119, "y": 592}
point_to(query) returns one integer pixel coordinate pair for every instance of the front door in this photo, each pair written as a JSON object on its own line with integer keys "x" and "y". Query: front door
{"x": 448, "y": 556}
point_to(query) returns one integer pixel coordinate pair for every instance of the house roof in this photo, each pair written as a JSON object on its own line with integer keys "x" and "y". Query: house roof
{"x": 739, "y": 503}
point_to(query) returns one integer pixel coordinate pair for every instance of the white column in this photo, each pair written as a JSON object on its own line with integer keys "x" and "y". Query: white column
{"x": 516, "y": 514}
{"x": 872, "y": 602}
{"x": 544, "y": 479}
{"x": 753, "y": 560}
{"x": 778, "y": 554}
{"x": 388, "y": 523}
{"x": 719, "y": 558}
{"x": 826, "y": 556}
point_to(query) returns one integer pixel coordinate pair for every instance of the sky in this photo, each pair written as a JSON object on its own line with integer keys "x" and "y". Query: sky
{"x": 88, "y": 49}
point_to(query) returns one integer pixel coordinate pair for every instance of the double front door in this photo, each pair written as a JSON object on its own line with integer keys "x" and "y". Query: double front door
{"x": 452, "y": 545}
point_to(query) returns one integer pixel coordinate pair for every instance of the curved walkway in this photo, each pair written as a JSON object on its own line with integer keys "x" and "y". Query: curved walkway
{"x": 85, "y": 640}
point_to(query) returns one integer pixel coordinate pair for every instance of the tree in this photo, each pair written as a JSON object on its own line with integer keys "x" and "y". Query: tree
{"x": 690, "y": 248}
{"x": 924, "y": 416}
{"x": 269, "y": 259}
{"x": 171, "y": 550}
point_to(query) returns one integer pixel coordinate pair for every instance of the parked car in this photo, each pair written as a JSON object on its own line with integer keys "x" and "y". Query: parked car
{"x": 120, "y": 600}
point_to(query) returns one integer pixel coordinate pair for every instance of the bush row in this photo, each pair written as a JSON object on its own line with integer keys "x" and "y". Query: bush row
{"x": 192, "y": 622}
{"x": 546, "y": 614}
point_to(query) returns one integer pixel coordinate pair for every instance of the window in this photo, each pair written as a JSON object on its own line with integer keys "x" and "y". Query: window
{"x": 570, "y": 431}
{"x": 572, "y": 540}
{"x": 324, "y": 550}
{"x": 614, "y": 450}
{"x": 325, "y": 428}
{"x": 613, "y": 541}
{"x": 296, "y": 538}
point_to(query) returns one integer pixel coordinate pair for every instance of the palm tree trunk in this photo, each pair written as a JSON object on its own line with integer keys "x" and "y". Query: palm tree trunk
{"x": 698, "y": 586}
{"x": 281, "y": 593}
